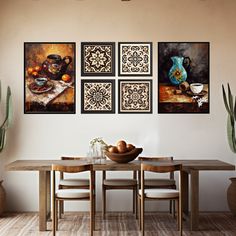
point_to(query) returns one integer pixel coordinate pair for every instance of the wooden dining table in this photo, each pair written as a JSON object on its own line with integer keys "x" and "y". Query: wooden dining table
{"x": 191, "y": 169}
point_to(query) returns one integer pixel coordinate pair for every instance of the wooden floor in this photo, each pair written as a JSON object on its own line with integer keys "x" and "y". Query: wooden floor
{"x": 123, "y": 224}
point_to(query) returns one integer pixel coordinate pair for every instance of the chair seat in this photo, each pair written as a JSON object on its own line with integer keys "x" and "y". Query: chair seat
{"x": 160, "y": 193}
{"x": 120, "y": 182}
{"x": 72, "y": 193}
{"x": 74, "y": 182}
{"x": 159, "y": 182}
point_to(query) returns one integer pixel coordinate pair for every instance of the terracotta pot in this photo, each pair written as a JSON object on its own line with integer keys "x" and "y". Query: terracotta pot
{"x": 231, "y": 196}
{"x": 2, "y": 198}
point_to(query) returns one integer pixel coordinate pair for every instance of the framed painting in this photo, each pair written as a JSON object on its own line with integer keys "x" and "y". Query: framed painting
{"x": 135, "y": 59}
{"x": 183, "y": 77}
{"x": 135, "y": 96}
{"x": 97, "y": 59}
{"x": 97, "y": 96}
{"x": 49, "y": 78}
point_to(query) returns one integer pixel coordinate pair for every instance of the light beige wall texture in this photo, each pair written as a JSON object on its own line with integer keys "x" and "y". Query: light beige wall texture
{"x": 181, "y": 135}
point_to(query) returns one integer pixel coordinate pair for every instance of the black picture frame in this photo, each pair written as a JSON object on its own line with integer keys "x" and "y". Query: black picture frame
{"x": 96, "y": 73}
{"x": 35, "y": 53}
{"x": 198, "y": 71}
{"x": 112, "y": 96}
{"x": 120, "y": 96}
{"x": 120, "y": 61}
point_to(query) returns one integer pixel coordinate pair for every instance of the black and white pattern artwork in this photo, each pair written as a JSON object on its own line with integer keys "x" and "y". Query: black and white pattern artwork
{"x": 98, "y": 96}
{"x": 97, "y": 59}
{"x": 135, "y": 59}
{"x": 135, "y": 96}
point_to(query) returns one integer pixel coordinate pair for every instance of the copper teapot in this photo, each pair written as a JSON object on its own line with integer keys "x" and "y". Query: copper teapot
{"x": 55, "y": 66}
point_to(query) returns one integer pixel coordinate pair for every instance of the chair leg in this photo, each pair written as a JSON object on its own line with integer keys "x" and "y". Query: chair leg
{"x": 94, "y": 211}
{"x": 56, "y": 213}
{"x": 53, "y": 217}
{"x": 178, "y": 215}
{"x": 139, "y": 209}
{"x": 61, "y": 209}
{"x": 91, "y": 215}
{"x": 134, "y": 197}
{"x": 142, "y": 215}
{"x": 137, "y": 203}
{"x": 173, "y": 212}
{"x": 170, "y": 207}
{"x": 103, "y": 202}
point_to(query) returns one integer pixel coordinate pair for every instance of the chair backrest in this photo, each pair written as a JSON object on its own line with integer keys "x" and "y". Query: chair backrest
{"x": 155, "y": 158}
{"x": 158, "y": 159}
{"x": 73, "y": 169}
{"x": 65, "y": 158}
{"x": 163, "y": 168}
{"x": 72, "y": 158}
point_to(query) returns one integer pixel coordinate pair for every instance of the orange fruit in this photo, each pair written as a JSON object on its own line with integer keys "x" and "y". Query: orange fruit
{"x": 30, "y": 70}
{"x": 66, "y": 78}
{"x": 35, "y": 74}
{"x": 37, "y": 68}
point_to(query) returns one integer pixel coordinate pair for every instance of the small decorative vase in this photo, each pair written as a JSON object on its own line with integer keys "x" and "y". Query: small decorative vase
{"x": 2, "y": 198}
{"x": 231, "y": 196}
{"x": 177, "y": 73}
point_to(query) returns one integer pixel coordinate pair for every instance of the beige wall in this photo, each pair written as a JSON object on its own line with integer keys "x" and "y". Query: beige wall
{"x": 184, "y": 136}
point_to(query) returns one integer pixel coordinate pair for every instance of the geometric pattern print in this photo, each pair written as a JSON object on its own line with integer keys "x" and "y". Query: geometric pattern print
{"x": 135, "y": 59}
{"x": 135, "y": 96}
{"x": 98, "y": 96}
{"x": 98, "y": 59}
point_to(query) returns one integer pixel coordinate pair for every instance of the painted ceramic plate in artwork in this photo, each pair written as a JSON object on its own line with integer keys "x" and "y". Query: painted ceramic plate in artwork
{"x": 34, "y": 88}
{"x": 202, "y": 93}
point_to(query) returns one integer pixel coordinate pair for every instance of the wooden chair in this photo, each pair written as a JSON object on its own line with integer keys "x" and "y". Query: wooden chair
{"x": 160, "y": 193}
{"x": 62, "y": 195}
{"x": 119, "y": 184}
{"x": 159, "y": 182}
{"x": 74, "y": 183}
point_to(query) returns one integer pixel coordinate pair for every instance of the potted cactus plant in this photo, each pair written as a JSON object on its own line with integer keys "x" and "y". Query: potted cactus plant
{"x": 3, "y": 129}
{"x": 230, "y": 105}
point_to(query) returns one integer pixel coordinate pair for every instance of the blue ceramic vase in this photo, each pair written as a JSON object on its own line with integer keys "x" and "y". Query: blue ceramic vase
{"x": 177, "y": 73}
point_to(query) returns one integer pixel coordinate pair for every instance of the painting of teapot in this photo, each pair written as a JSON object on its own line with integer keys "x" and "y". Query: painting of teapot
{"x": 55, "y": 66}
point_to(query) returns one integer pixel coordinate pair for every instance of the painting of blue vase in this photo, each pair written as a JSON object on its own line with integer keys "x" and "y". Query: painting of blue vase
{"x": 177, "y": 73}
{"x": 183, "y": 66}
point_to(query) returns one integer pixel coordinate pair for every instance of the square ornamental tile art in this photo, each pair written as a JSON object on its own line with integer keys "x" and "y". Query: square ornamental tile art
{"x": 135, "y": 59}
{"x": 135, "y": 96}
{"x": 97, "y": 59}
{"x": 98, "y": 96}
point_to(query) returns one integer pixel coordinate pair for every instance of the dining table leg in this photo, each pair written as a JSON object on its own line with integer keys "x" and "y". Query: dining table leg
{"x": 185, "y": 193}
{"x": 44, "y": 199}
{"x": 194, "y": 219}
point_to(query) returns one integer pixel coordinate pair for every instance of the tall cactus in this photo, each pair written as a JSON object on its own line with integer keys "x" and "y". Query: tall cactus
{"x": 230, "y": 105}
{"x": 8, "y": 117}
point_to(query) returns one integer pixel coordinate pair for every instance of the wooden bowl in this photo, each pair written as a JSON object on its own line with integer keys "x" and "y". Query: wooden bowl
{"x": 124, "y": 157}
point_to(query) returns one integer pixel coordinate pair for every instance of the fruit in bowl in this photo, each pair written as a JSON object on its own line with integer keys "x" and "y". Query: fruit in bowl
{"x": 123, "y": 152}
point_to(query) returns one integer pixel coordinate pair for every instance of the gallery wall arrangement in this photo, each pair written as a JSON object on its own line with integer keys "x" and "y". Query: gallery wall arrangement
{"x": 183, "y": 77}
{"x": 49, "y": 78}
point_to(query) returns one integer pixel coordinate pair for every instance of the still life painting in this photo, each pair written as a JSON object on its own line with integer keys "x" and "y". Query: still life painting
{"x": 183, "y": 77}
{"x": 49, "y": 78}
